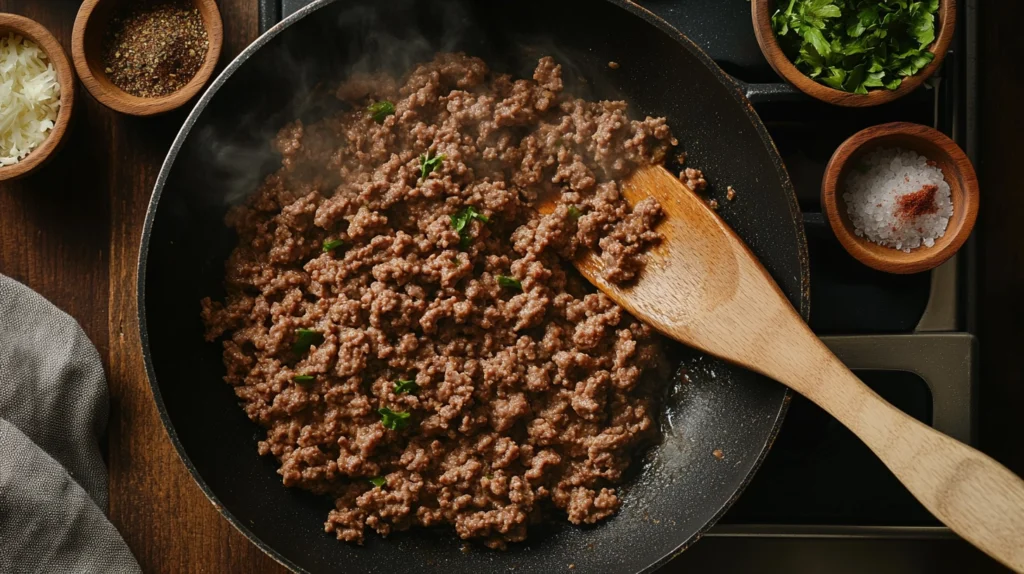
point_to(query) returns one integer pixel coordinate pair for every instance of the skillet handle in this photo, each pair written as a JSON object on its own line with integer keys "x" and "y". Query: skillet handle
{"x": 773, "y": 92}
{"x": 978, "y": 498}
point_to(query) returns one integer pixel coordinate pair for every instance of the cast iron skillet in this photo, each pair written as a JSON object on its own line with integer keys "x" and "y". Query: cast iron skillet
{"x": 222, "y": 150}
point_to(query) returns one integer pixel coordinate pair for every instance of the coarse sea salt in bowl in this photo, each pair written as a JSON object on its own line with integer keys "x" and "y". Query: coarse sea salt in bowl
{"x": 900, "y": 197}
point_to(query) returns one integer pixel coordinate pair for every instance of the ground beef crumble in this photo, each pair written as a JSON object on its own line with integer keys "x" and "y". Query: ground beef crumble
{"x": 530, "y": 396}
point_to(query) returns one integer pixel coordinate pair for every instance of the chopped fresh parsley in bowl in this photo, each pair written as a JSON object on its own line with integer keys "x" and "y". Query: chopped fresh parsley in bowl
{"x": 854, "y": 52}
{"x": 857, "y": 45}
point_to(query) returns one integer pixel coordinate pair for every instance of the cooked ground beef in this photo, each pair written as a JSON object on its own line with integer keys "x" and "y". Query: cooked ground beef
{"x": 473, "y": 375}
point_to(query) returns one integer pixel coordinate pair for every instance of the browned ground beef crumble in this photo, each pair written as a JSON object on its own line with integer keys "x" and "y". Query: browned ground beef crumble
{"x": 526, "y": 402}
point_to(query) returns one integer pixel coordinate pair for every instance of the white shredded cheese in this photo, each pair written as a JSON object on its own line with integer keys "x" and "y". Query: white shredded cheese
{"x": 29, "y": 97}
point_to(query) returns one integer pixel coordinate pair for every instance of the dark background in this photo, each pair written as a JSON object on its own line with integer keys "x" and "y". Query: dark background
{"x": 72, "y": 231}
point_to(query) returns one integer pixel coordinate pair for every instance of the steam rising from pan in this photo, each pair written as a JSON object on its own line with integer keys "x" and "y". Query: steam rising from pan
{"x": 242, "y": 153}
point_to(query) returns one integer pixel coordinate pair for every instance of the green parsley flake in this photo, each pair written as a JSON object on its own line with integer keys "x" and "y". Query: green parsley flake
{"x": 380, "y": 110}
{"x": 393, "y": 420}
{"x": 857, "y": 45}
{"x": 460, "y": 221}
{"x": 332, "y": 244}
{"x": 430, "y": 163}
{"x": 303, "y": 378}
{"x": 574, "y": 212}
{"x": 510, "y": 282}
{"x": 378, "y": 481}
{"x": 403, "y": 386}
{"x": 306, "y": 338}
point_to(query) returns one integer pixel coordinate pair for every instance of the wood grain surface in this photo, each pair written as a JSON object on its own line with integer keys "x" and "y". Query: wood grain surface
{"x": 162, "y": 514}
{"x": 930, "y": 143}
{"x": 761, "y": 13}
{"x": 71, "y": 232}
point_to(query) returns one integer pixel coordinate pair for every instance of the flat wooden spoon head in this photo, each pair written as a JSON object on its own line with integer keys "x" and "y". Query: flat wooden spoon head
{"x": 697, "y": 284}
{"x": 702, "y": 286}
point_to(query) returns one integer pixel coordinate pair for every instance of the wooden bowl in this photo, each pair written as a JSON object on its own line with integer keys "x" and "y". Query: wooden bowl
{"x": 956, "y": 170}
{"x": 761, "y": 11}
{"x": 91, "y": 25}
{"x": 35, "y": 32}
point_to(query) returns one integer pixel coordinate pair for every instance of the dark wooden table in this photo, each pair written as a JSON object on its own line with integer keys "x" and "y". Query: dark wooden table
{"x": 71, "y": 232}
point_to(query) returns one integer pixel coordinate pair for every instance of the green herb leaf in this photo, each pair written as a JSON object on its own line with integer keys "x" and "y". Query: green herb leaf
{"x": 403, "y": 386}
{"x": 378, "y": 481}
{"x": 303, "y": 379}
{"x": 510, "y": 282}
{"x": 332, "y": 244}
{"x": 574, "y": 212}
{"x": 460, "y": 222}
{"x": 428, "y": 164}
{"x": 393, "y": 420}
{"x": 380, "y": 110}
{"x": 923, "y": 28}
{"x": 814, "y": 37}
{"x": 306, "y": 338}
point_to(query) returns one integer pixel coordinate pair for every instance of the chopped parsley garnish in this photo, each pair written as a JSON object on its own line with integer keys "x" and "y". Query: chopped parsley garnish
{"x": 378, "y": 481}
{"x": 303, "y": 379}
{"x": 305, "y": 338}
{"x": 332, "y": 244}
{"x": 460, "y": 221}
{"x": 510, "y": 282}
{"x": 393, "y": 420}
{"x": 855, "y": 45}
{"x": 574, "y": 212}
{"x": 380, "y": 110}
{"x": 403, "y": 386}
{"x": 430, "y": 163}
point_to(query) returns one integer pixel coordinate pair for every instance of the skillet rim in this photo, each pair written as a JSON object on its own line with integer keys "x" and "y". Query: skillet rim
{"x": 211, "y": 91}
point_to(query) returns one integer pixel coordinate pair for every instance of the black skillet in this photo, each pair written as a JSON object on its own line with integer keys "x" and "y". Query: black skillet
{"x": 219, "y": 156}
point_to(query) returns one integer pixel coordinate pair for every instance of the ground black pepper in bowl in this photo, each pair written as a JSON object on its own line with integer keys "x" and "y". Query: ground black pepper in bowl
{"x": 154, "y": 48}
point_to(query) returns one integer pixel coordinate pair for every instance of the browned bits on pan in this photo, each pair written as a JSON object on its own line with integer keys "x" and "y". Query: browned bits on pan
{"x": 713, "y": 204}
{"x": 613, "y": 65}
{"x": 730, "y": 193}
{"x": 154, "y": 48}
{"x": 717, "y": 453}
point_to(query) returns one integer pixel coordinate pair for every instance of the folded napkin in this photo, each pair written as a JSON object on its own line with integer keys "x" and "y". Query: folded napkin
{"x": 53, "y": 410}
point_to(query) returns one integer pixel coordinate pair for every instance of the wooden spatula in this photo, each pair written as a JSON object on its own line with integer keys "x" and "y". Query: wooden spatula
{"x": 703, "y": 287}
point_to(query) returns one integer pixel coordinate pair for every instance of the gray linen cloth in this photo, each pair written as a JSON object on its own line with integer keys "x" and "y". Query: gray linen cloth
{"x": 53, "y": 409}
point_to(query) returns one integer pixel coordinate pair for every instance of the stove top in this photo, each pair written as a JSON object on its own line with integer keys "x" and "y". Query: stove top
{"x": 907, "y": 336}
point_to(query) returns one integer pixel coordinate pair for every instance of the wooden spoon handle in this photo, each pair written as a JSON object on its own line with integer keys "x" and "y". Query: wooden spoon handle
{"x": 703, "y": 287}
{"x": 978, "y": 498}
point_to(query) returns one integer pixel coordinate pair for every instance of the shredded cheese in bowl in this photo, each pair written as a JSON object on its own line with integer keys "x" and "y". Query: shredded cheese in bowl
{"x": 29, "y": 97}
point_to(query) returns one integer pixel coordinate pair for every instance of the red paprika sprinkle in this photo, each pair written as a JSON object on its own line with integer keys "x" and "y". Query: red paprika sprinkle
{"x": 921, "y": 202}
